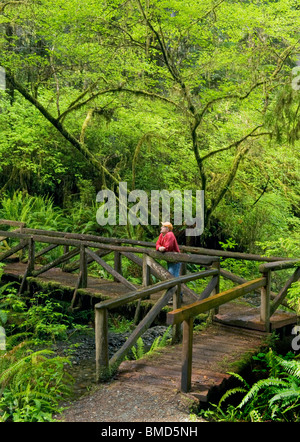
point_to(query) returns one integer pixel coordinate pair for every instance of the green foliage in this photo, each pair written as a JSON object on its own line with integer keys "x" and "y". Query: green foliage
{"x": 294, "y": 297}
{"x": 32, "y": 384}
{"x": 96, "y": 96}
{"x": 275, "y": 397}
{"x": 38, "y": 212}
{"x": 139, "y": 352}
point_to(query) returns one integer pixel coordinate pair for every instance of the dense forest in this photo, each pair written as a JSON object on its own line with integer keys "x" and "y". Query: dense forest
{"x": 199, "y": 95}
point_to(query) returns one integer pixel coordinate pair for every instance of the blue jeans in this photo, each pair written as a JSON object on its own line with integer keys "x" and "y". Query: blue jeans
{"x": 174, "y": 268}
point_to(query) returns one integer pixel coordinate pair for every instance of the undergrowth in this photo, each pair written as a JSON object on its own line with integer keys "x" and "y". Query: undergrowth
{"x": 33, "y": 380}
{"x": 273, "y": 397}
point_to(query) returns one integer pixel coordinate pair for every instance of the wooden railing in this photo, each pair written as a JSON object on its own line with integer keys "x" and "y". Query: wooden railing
{"x": 103, "y": 364}
{"x": 186, "y": 314}
{"x": 92, "y": 248}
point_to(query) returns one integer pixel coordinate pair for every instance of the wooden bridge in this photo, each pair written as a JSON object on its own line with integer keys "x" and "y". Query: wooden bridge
{"x": 32, "y": 253}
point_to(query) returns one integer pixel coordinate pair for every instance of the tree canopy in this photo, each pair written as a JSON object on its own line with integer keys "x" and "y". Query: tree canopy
{"x": 159, "y": 94}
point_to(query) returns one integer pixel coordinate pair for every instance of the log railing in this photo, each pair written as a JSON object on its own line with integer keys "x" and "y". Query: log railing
{"x": 103, "y": 364}
{"x": 186, "y": 314}
{"x": 92, "y": 248}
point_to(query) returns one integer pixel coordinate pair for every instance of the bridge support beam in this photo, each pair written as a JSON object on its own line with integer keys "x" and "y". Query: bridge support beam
{"x": 187, "y": 350}
{"x": 265, "y": 301}
{"x": 101, "y": 341}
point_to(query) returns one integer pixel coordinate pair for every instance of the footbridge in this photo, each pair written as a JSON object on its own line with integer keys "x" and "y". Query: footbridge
{"x": 61, "y": 259}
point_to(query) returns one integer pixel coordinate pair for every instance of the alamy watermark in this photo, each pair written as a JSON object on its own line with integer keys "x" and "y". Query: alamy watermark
{"x": 2, "y": 79}
{"x": 296, "y": 340}
{"x": 2, "y": 338}
{"x": 296, "y": 79}
{"x": 188, "y": 209}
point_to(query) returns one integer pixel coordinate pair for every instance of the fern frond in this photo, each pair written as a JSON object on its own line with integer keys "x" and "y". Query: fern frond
{"x": 255, "y": 416}
{"x": 14, "y": 368}
{"x": 240, "y": 378}
{"x": 292, "y": 366}
{"x": 263, "y": 383}
{"x": 286, "y": 396}
{"x": 155, "y": 344}
{"x": 230, "y": 393}
{"x": 140, "y": 348}
{"x": 165, "y": 337}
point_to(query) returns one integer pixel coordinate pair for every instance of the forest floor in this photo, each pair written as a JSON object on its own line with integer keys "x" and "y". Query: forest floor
{"x": 118, "y": 400}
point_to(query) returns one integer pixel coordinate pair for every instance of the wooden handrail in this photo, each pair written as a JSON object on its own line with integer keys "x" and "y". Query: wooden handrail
{"x": 187, "y": 313}
{"x": 111, "y": 240}
{"x": 279, "y": 265}
{"x": 9, "y": 222}
{"x": 101, "y": 314}
{"x": 192, "y": 310}
{"x": 167, "y": 256}
{"x": 149, "y": 290}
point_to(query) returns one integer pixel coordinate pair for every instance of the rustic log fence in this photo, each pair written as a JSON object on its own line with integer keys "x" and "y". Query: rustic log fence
{"x": 187, "y": 314}
{"x": 80, "y": 250}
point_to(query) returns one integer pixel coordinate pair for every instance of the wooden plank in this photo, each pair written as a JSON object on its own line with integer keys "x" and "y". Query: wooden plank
{"x": 167, "y": 256}
{"x": 187, "y": 350}
{"x": 76, "y": 264}
{"x": 101, "y": 341}
{"x": 56, "y": 262}
{"x": 78, "y": 284}
{"x": 46, "y": 250}
{"x": 110, "y": 270}
{"x": 188, "y": 249}
{"x": 142, "y": 293}
{"x": 161, "y": 273}
{"x": 209, "y": 288}
{"x": 214, "y": 301}
{"x": 265, "y": 301}
{"x": 118, "y": 263}
{"x": 226, "y": 254}
{"x": 142, "y": 327}
{"x": 279, "y": 265}
{"x": 13, "y": 250}
{"x": 146, "y": 270}
{"x": 12, "y": 223}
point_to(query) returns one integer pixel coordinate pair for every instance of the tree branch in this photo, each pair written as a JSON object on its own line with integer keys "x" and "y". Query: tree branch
{"x": 63, "y": 131}
{"x": 230, "y": 178}
{"x": 235, "y": 144}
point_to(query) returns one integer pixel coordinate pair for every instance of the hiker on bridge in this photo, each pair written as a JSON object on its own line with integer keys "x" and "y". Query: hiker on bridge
{"x": 167, "y": 243}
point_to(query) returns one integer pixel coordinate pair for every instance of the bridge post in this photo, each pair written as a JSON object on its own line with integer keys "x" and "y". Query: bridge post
{"x": 146, "y": 271}
{"x": 146, "y": 281}
{"x": 117, "y": 263}
{"x": 83, "y": 267}
{"x": 216, "y": 290}
{"x": 265, "y": 301}
{"x": 187, "y": 351}
{"x": 101, "y": 342}
{"x": 31, "y": 256}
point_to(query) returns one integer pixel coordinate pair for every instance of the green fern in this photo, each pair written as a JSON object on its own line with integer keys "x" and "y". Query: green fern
{"x": 255, "y": 416}
{"x": 275, "y": 398}
{"x": 269, "y": 383}
{"x": 138, "y": 351}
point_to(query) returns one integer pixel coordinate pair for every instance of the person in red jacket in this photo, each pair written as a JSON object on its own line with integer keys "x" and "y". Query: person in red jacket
{"x": 167, "y": 243}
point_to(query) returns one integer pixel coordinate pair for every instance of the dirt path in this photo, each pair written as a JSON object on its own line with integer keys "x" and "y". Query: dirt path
{"x": 147, "y": 390}
{"x": 116, "y": 402}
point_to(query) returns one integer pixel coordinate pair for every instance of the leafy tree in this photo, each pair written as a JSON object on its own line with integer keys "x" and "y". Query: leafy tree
{"x": 187, "y": 81}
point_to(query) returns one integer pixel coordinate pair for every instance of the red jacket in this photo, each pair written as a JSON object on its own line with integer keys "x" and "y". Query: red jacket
{"x": 168, "y": 241}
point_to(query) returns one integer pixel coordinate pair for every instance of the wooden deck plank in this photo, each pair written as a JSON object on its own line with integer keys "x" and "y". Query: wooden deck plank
{"x": 211, "y": 362}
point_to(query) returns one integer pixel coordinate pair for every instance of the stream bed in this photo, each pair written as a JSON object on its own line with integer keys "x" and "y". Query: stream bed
{"x": 80, "y": 350}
